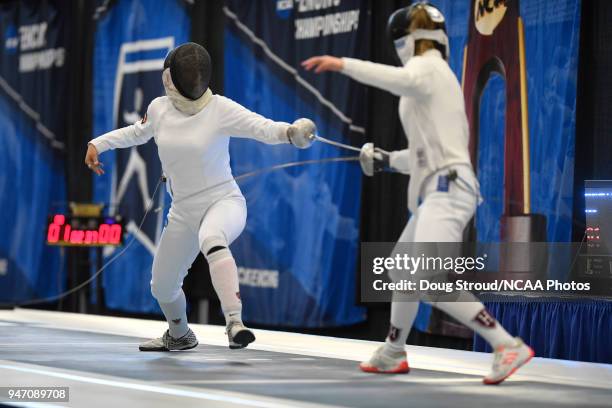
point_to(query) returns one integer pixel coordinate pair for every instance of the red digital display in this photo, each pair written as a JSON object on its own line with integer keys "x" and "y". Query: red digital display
{"x": 84, "y": 231}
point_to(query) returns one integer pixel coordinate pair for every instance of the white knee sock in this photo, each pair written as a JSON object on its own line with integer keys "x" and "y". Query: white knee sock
{"x": 403, "y": 313}
{"x": 176, "y": 315}
{"x": 224, "y": 276}
{"x": 475, "y": 316}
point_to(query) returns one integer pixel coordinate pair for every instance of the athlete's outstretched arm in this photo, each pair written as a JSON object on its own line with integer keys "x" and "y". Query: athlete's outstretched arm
{"x": 400, "y": 81}
{"x": 241, "y": 122}
{"x": 238, "y": 121}
{"x": 132, "y": 135}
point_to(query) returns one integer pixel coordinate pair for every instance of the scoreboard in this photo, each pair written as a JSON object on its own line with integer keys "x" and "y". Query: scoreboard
{"x": 598, "y": 216}
{"x": 85, "y": 229}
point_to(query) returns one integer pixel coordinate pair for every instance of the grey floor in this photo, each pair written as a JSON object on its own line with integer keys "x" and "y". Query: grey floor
{"x": 292, "y": 377}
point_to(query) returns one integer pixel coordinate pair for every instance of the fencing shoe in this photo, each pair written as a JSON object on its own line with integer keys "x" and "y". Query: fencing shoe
{"x": 386, "y": 361}
{"x": 169, "y": 343}
{"x": 238, "y": 335}
{"x": 507, "y": 359}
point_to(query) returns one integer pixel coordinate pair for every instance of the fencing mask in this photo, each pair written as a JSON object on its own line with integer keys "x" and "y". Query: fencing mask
{"x": 403, "y": 38}
{"x": 190, "y": 69}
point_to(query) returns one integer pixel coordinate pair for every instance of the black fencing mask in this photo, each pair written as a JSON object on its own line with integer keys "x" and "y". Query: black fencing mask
{"x": 190, "y": 69}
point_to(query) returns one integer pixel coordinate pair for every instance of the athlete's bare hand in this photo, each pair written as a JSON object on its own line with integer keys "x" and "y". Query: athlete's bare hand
{"x": 91, "y": 160}
{"x": 323, "y": 63}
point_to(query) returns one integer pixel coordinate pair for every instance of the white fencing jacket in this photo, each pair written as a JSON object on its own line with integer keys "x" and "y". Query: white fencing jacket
{"x": 194, "y": 149}
{"x": 431, "y": 110}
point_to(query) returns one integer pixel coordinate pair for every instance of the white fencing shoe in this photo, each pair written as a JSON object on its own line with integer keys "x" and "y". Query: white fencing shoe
{"x": 386, "y": 361}
{"x": 507, "y": 359}
{"x": 169, "y": 343}
{"x": 238, "y": 335}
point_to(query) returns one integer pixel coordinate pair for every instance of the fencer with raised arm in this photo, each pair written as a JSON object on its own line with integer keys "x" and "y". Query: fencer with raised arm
{"x": 443, "y": 191}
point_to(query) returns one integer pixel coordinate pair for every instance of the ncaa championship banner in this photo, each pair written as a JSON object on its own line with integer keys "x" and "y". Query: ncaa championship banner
{"x": 33, "y": 77}
{"x": 298, "y": 253}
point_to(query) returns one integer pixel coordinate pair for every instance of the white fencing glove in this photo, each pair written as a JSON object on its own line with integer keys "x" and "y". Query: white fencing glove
{"x": 301, "y": 133}
{"x": 373, "y": 159}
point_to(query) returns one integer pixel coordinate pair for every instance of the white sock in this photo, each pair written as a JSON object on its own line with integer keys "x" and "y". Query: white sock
{"x": 475, "y": 316}
{"x": 224, "y": 276}
{"x": 176, "y": 315}
{"x": 403, "y": 313}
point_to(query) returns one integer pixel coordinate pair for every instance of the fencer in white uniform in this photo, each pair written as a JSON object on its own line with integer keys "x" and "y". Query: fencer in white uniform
{"x": 192, "y": 128}
{"x": 443, "y": 192}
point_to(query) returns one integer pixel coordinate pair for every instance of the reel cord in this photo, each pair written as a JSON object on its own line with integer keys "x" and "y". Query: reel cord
{"x": 149, "y": 207}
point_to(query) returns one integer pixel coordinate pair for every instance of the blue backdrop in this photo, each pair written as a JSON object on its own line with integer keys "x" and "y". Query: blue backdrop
{"x": 297, "y": 255}
{"x": 32, "y": 184}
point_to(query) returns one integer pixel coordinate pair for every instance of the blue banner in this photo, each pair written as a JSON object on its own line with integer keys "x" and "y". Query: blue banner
{"x": 297, "y": 255}
{"x": 131, "y": 43}
{"x": 33, "y": 76}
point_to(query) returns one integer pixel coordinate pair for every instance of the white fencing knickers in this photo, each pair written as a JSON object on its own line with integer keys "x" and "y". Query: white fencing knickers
{"x": 446, "y": 208}
{"x": 196, "y": 225}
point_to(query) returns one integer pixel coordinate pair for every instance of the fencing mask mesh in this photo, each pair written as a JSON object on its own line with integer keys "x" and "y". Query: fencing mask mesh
{"x": 190, "y": 69}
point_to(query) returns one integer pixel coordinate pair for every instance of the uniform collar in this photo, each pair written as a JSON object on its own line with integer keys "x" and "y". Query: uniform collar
{"x": 432, "y": 52}
{"x": 183, "y": 104}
